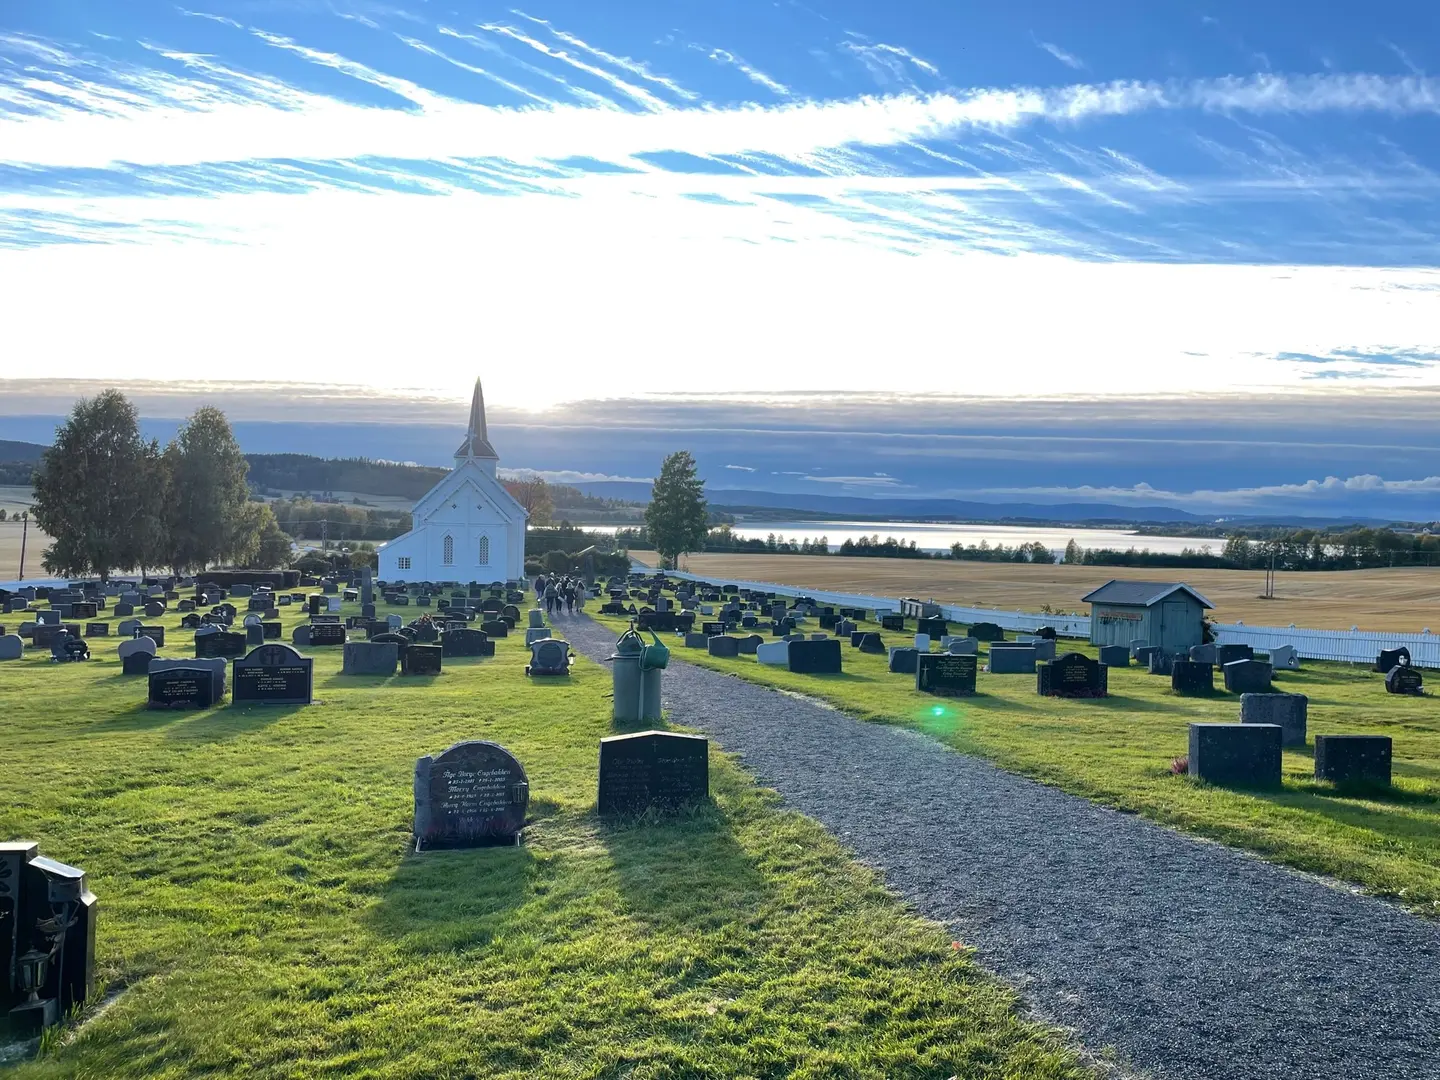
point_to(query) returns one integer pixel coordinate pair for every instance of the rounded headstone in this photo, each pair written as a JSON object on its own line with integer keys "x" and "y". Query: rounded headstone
{"x": 136, "y": 645}
{"x": 12, "y": 647}
{"x": 300, "y": 635}
{"x": 473, "y": 794}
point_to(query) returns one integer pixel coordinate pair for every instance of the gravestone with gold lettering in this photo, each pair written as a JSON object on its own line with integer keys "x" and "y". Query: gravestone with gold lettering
{"x": 473, "y": 795}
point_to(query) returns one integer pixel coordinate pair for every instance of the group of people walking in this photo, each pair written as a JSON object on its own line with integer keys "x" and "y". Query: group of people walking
{"x": 560, "y": 593}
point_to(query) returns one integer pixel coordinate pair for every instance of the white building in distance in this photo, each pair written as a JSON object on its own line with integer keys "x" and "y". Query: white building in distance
{"x": 467, "y": 527}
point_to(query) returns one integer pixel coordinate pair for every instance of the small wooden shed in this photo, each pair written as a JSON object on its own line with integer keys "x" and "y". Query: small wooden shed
{"x": 1167, "y": 614}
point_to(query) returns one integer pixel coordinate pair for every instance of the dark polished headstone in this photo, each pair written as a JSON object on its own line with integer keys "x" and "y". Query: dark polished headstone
{"x": 653, "y": 770}
{"x": 903, "y": 660}
{"x": 1390, "y": 658}
{"x": 473, "y": 794}
{"x": 422, "y": 660}
{"x": 466, "y": 642}
{"x": 221, "y": 643}
{"x": 869, "y": 642}
{"x": 892, "y": 622}
{"x": 1115, "y": 655}
{"x": 326, "y": 634}
{"x": 181, "y": 688}
{"x": 1404, "y": 679}
{"x": 946, "y": 674}
{"x": 1248, "y": 677}
{"x": 1073, "y": 675}
{"x": 273, "y": 674}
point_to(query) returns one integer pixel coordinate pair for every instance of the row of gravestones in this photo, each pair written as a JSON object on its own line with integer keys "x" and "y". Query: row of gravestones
{"x": 476, "y": 793}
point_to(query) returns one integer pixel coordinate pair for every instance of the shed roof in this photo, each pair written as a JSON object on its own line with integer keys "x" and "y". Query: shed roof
{"x": 1140, "y": 593}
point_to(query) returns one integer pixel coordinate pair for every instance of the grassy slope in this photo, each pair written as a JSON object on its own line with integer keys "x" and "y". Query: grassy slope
{"x": 1118, "y": 751}
{"x": 257, "y": 898}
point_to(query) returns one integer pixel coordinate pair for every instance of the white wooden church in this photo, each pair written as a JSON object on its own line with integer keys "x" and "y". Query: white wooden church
{"x": 467, "y": 527}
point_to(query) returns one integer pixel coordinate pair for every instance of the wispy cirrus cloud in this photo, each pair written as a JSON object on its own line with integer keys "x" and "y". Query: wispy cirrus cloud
{"x": 1070, "y": 60}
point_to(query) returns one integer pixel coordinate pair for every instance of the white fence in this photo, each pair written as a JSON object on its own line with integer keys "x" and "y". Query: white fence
{"x": 1346, "y": 646}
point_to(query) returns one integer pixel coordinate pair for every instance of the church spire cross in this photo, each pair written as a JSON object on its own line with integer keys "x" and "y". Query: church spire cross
{"x": 477, "y": 438}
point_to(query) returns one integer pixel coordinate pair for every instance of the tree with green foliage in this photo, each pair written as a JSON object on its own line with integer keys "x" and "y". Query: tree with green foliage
{"x": 98, "y": 491}
{"x": 676, "y": 519}
{"x": 266, "y": 546}
{"x": 534, "y": 495}
{"x": 1074, "y": 553}
{"x": 206, "y": 515}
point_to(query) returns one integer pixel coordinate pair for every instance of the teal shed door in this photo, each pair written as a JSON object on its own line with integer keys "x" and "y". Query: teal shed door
{"x": 1175, "y": 629}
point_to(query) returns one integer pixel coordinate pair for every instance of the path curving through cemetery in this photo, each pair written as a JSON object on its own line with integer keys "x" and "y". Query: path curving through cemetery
{"x": 1184, "y": 957}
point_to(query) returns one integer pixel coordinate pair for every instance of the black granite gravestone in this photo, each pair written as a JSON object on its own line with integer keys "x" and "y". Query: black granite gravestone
{"x": 987, "y": 631}
{"x": 946, "y": 674}
{"x": 473, "y": 795}
{"x": 937, "y": 628}
{"x": 903, "y": 661}
{"x": 870, "y": 643}
{"x": 220, "y": 643}
{"x": 326, "y": 634}
{"x": 1191, "y": 678}
{"x": 892, "y": 622}
{"x": 1073, "y": 675}
{"x": 1390, "y": 658}
{"x": 1236, "y": 755}
{"x": 181, "y": 688}
{"x": 273, "y": 675}
{"x": 816, "y": 657}
{"x": 496, "y": 628}
{"x": 137, "y": 663}
{"x": 1404, "y": 679}
{"x": 463, "y": 641}
{"x": 1247, "y": 677}
{"x": 421, "y": 660}
{"x": 658, "y": 770}
{"x": 1353, "y": 760}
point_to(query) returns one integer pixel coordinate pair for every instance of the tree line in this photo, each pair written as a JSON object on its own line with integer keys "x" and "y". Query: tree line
{"x": 111, "y": 500}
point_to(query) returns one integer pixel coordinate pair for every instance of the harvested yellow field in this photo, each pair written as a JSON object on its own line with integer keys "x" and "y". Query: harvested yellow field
{"x": 13, "y": 500}
{"x": 1403, "y": 600}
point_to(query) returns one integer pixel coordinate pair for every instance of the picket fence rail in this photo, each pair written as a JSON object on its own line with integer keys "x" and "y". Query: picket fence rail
{"x": 1345, "y": 646}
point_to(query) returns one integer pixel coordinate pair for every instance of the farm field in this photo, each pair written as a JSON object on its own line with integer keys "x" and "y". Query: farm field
{"x": 261, "y": 913}
{"x": 1119, "y": 751}
{"x": 13, "y": 500}
{"x": 1404, "y": 600}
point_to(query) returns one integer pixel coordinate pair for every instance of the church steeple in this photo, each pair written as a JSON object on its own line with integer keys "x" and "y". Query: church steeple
{"x": 477, "y": 438}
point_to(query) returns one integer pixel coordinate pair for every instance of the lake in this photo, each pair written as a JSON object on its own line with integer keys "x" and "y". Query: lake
{"x": 939, "y": 537}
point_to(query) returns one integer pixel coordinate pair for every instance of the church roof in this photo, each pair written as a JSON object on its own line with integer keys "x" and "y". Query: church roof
{"x": 477, "y": 439}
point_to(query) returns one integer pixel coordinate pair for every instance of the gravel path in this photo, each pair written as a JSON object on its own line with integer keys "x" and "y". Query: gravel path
{"x": 1187, "y": 958}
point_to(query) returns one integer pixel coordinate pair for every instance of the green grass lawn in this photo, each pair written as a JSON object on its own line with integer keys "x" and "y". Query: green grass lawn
{"x": 262, "y": 913}
{"x": 1118, "y": 751}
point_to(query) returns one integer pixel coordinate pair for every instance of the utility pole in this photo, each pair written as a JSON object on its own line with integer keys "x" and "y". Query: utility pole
{"x": 24, "y": 535}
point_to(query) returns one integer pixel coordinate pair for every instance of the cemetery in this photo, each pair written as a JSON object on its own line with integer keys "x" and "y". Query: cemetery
{"x": 1114, "y": 733}
{"x": 252, "y": 844}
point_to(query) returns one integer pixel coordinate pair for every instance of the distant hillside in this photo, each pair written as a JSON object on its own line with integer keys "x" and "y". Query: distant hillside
{"x": 21, "y": 451}
{"x": 302, "y": 472}
{"x": 18, "y": 461}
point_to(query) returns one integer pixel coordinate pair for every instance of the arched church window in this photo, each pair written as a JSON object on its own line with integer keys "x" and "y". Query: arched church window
{"x": 484, "y": 551}
{"x": 447, "y": 549}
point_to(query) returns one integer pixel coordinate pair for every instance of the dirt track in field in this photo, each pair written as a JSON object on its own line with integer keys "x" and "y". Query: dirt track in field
{"x": 1405, "y": 600}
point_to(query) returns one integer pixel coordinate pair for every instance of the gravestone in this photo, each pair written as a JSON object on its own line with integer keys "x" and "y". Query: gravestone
{"x": 326, "y": 634}
{"x": 215, "y": 667}
{"x": 774, "y": 653}
{"x": 935, "y": 627}
{"x": 154, "y": 610}
{"x": 1048, "y": 633}
{"x": 1142, "y": 654}
{"x": 1044, "y": 649}
{"x": 816, "y": 657}
{"x": 712, "y": 629}
{"x": 466, "y": 642}
{"x": 137, "y": 663}
{"x": 720, "y": 645}
{"x": 273, "y": 675}
{"x": 1285, "y": 657}
{"x": 1203, "y": 654}
{"x": 1073, "y": 675}
{"x": 987, "y": 631}
{"x": 155, "y": 633}
{"x": 83, "y": 609}
{"x": 222, "y": 643}
{"x": 421, "y": 660}
{"x": 1353, "y": 760}
{"x": 1248, "y": 677}
{"x": 750, "y": 643}
{"x": 946, "y": 674}
{"x": 1288, "y": 712}
{"x": 134, "y": 645}
{"x": 369, "y": 658}
{"x": 300, "y": 635}
{"x": 1012, "y": 660}
{"x": 1114, "y": 656}
{"x": 922, "y": 642}
{"x": 1136, "y": 645}
{"x": 1236, "y": 755}
{"x": 254, "y": 635}
{"x": 903, "y": 660}
{"x": 1228, "y": 654}
{"x": 1161, "y": 662}
{"x": 696, "y": 641}
{"x": 892, "y": 622}
{"x": 473, "y": 794}
{"x": 653, "y": 770}
{"x": 97, "y": 629}
{"x": 181, "y": 688}
{"x": 1404, "y": 679}
{"x": 1390, "y": 658}
{"x": 271, "y": 631}
{"x": 124, "y": 611}
{"x": 496, "y": 628}
{"x": 12, "y": 647}
{"x": 963, "y": 646}
{"x": 1190, "y": 678}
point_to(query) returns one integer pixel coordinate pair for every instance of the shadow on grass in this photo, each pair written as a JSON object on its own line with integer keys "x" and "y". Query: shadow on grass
{"x": 140, "y": 717}
{"x": 226, "y": 722}
{"x": 453, "y": 899}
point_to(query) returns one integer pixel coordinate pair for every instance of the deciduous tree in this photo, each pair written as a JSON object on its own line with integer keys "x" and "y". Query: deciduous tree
{"x": 98, "y": 491}
{"x": 206, "y": 517}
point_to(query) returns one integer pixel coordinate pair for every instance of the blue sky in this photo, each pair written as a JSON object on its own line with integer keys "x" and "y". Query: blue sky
{"x": 1219, "y": 205}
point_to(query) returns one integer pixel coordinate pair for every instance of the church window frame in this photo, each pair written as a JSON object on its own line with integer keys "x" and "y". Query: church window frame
{"x": 447, "y": 550}
{"x": 483, "y": 550}
{"x": 402, "y": 562}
